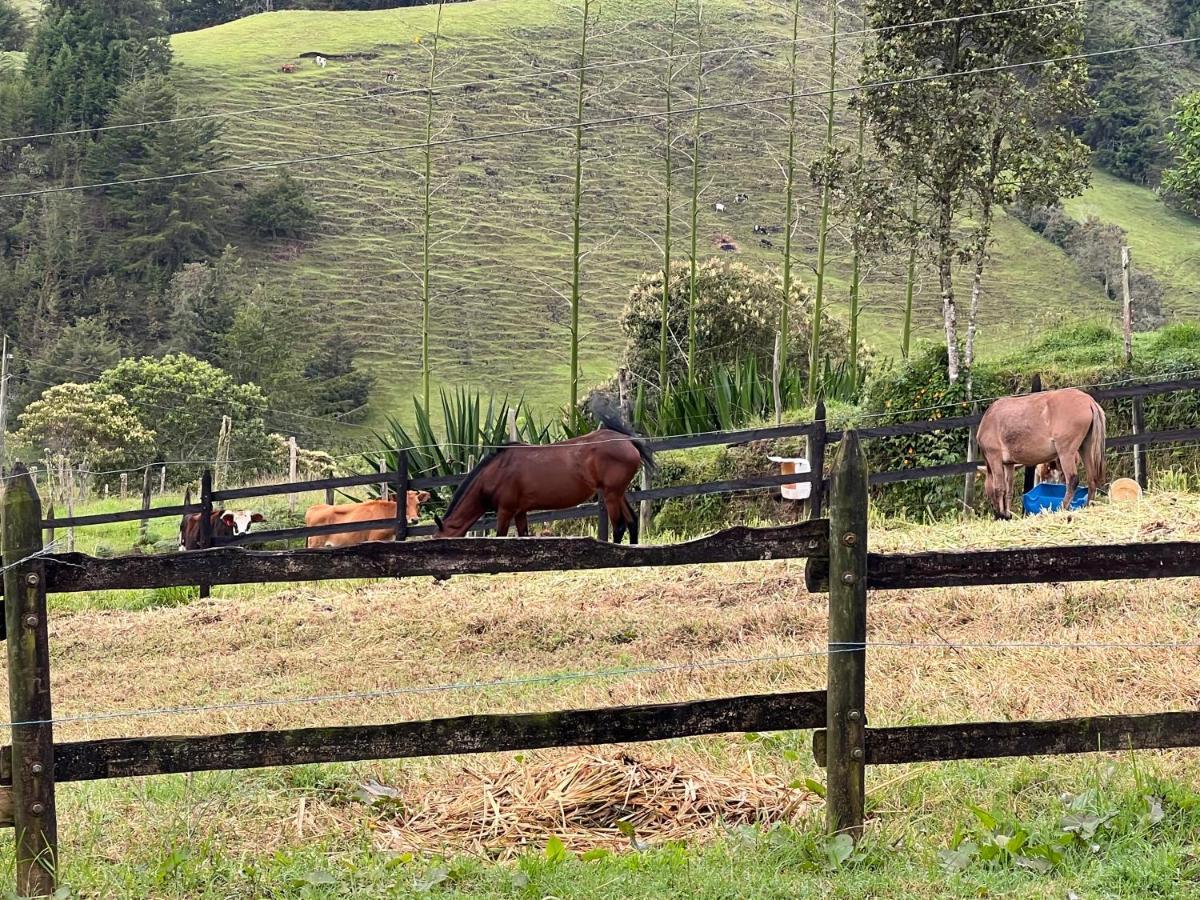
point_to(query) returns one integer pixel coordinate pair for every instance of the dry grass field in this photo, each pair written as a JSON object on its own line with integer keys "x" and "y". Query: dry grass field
{"x": 317, "y": 831}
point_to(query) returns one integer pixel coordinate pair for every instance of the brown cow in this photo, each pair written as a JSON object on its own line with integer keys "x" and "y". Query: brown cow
{"x": 324, "y": 514}
{"x": 225, "y": 523}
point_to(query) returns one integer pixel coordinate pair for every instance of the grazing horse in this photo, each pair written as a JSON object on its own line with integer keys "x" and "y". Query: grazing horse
{"x": 519, "y": 478}
{"x": 1051, "y": 426}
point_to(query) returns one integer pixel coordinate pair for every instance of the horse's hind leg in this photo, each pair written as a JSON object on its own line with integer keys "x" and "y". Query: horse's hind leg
{"x": 503, "y": 519}
{"x": 1068, "y": 462}
{"x": 634, "y": 524}
{"x": 614, "y": 504}
{"x": 522, "y": 520}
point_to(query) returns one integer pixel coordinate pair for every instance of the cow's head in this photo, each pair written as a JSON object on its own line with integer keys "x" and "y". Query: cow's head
{"x": 413, "y": 505}
{"x": 240, "y": 520}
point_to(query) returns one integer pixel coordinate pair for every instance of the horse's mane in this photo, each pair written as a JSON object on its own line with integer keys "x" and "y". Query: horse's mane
{"x": 466, "y": 483}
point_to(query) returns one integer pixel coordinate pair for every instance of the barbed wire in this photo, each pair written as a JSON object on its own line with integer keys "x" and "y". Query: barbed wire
{"x": 590, "y": 124}
{"x": 535, "y": 76}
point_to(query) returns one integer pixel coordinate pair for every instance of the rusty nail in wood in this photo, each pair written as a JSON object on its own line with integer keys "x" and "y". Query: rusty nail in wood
{"x": 857, "y": 753}
{"x": 37, "y": 768}
{"x": 37, "y": 809}
{"x": 31, "y": 579}
{"x": 854, "y": 715}
{"x": 849, "y": 538}
{"x": 849, "y": 578}
{"x": 814, "y": 544}
{"x": 31, "y": 621}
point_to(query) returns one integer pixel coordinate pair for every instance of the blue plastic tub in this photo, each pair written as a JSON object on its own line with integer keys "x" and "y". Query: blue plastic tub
{"x": 1049, "y": 496}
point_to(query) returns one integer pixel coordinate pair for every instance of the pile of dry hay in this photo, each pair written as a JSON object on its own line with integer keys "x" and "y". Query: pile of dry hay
{"x": 583, "y": 798}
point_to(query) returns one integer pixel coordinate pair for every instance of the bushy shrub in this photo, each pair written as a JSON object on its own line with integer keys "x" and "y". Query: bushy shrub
{"x": 737, "y": 316}
{"x": 280, "y": 208}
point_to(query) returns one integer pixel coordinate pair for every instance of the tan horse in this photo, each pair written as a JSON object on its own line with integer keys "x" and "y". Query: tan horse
{"x": 1050, "y": 426}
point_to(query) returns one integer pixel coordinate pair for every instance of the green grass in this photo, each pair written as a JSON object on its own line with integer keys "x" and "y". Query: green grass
{"x": 503, "y": 209}
{"x": 1163, "y": 242}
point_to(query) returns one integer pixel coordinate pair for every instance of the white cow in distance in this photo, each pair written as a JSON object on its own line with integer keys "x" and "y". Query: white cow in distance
{"x": 320, "y": 61}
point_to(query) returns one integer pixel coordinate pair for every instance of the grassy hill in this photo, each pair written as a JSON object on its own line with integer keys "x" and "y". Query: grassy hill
{"x": 1163, "y": 242}
{"x": 502, "y": 264}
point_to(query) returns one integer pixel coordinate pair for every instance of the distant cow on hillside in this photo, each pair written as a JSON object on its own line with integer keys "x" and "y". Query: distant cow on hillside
{"x": 320, "y": 61}
{"x": 288, "y": 67}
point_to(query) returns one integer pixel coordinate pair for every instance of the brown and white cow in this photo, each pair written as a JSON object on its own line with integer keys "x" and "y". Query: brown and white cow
{"x": 369, "y": 510}
{"x": 225, "y": 523}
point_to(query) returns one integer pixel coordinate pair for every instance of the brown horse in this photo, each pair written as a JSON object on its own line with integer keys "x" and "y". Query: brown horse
{"x": 520, "y": 478}
{"x": 1051, "y": 426}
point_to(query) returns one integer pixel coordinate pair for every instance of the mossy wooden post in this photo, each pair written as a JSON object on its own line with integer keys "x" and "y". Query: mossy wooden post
{"x": 845, "y": 713}
{"x": 34, "y": 814}
{"x": 144, "y": 524}
{"x": 401, "y": 495}
{"x": 816, "y": 461}
{"x": 206, "y": 519}
{"x": 1034, "y": 388}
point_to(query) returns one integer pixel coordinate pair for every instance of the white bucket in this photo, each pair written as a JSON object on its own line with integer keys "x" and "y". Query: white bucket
{"x": 793, "y": 465}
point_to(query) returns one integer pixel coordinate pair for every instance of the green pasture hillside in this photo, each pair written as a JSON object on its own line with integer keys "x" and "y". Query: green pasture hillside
{"x": 1162, "y": 241}
{"x": 501, "y": 265}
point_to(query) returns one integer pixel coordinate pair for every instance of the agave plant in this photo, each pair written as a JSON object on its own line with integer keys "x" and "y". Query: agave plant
{"x": 472, "y": 426}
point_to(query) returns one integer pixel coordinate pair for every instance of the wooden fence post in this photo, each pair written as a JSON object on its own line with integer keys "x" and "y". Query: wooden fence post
{"x": 162, "y": 480}
{"x": 124, "y": 485}
{"x": 601, "y": 519}
{"x": 645, "y": 512}
{"x": 1126, "y": 308}
{"x": 206, "y": 510}
{"x": 401, "y": 495}
{"x": 1034, "y": 388}
{"x": 144, "y": 524}
{"x": 291, "y": 472}
{"x": 816, "y": 459}
{"x": 845, "y": 712}
{"x": 34, "y": 813}
{"x": 383, "y": 470}
{"x": 1141, "y": 462}
{"x": 49, "y": 537}
{"x": 969, "y": 481}
{"x": 69, "y": 479}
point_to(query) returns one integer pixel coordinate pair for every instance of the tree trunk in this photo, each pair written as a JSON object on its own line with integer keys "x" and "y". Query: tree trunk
{"x": 946, "y": 281}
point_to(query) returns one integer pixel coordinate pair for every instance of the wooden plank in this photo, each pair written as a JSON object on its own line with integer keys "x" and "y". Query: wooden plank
{"x": 989, "y": 740}
{"x": 1034, "y": 565}
{"x": 943, "y": 471}
{"x": 129, "y": 515}
{"x": 1145, "y": 390}
{"x": 128, "y": 757}
{"x": 267, "y": 490}
{"x": 728, "y": 438}
{"x": 847, "y": 663}
{"x": 72, "y": 572}
{"x": 1154, "y": 437}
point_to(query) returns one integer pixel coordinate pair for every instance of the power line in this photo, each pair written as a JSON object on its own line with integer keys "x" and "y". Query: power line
{"x": 613, "y": 121}
{"x": 533, "y": 76}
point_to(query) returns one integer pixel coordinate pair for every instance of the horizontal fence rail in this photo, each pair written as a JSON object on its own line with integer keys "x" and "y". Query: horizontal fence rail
{"x": 125, "y": 757}
{"x": 992, "y": 740}
{"x": 74, "y": 572}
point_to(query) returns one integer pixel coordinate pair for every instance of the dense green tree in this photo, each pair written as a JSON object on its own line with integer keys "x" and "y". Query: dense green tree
{"x": 85, "y": 51}
{"x": 944, "y": 134}
{"x": 281, "y": 207}
{"x": 155, "y": 227}
{"x": 203, "y": 299}
{"x": 14, "y": 30}
{"x": 340, "y": 388}
{"x": 1181, "y": 183}
{"x": 184, "y": 398}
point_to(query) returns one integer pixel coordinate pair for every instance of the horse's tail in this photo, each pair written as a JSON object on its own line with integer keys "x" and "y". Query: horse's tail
{"x": 612, "y": 423}
{"x": 1094, "y": 444}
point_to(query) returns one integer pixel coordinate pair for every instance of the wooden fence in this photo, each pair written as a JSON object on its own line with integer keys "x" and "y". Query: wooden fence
{"x": 838, "y": 560}
{"x": 818, "y": 436}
